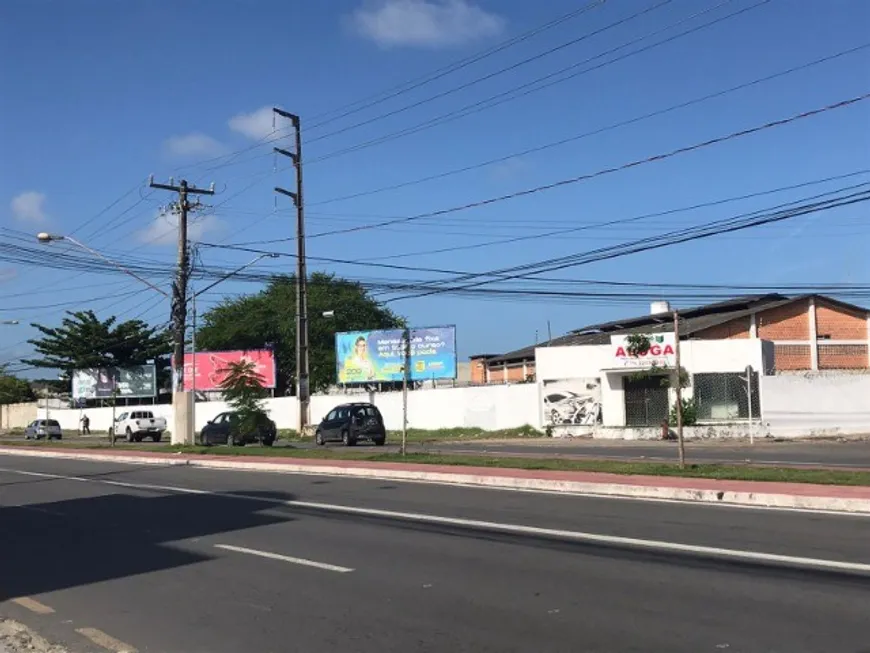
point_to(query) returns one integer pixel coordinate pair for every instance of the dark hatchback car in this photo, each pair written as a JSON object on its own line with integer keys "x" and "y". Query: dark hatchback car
{"x": 350, "y": 423}
{"x": 226, "y": 429}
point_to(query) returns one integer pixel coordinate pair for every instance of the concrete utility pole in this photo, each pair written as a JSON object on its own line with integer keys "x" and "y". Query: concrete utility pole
{"x": 183, "y": 427}
{"x": 302, "y": 372}
{"x": 406, "y": 378}
{"x": 680, "y": 442}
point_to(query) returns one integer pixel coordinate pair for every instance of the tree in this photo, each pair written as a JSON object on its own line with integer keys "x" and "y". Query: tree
{"x": 85, "y": 342}
{"x": 14, "y": 390}
{"x": 244, "y": 391}
{"x": 268, "y": 319}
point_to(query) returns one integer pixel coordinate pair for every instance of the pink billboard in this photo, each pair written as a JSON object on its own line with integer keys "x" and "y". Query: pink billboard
{"x": 211, "y": 367}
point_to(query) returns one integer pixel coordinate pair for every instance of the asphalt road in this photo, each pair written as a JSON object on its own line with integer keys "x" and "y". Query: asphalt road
{"x": 174, "y": 559}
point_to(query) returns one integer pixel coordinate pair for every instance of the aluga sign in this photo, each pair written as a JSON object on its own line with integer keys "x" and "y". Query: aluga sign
{"x": 661, "y": 352}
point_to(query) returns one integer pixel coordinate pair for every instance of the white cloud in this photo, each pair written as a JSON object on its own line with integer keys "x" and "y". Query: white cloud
{"x": 425, "y": 23}
{"x": 256, "y": 125}
{"x": 193, "y": 145}
{"x": 29, "y": 206}
{"x": 163, "y": 229}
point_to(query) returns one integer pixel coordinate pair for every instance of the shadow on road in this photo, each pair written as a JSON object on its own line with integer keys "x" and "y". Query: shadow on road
{"x": 51, "y": 546}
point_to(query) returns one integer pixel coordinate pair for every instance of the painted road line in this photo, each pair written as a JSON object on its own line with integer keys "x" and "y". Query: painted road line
{"x": 108, "y": 642}
{"x": 33, "y": 605}
{"x": 518, "y": 529}
{"x": 579, "y": 536}
{"x": 559, "y": 493}
{"x": 277, "y": 556}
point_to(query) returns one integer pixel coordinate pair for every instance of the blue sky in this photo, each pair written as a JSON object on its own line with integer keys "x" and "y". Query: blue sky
{"x": 99, "y": 94}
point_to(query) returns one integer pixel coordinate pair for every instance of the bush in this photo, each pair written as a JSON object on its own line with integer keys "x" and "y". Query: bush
{"x": 690, "y": 413}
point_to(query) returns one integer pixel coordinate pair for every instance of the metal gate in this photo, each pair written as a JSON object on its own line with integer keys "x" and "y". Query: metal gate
{"x": 646, "y": 401}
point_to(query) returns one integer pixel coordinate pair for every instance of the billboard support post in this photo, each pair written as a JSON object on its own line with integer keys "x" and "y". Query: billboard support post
{"x": 406, "y": 373}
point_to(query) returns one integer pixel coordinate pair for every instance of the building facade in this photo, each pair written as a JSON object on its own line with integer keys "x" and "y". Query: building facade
{"x": 809, "y": 333}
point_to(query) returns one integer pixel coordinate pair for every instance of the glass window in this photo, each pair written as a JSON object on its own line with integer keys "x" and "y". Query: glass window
{"x": 725, "y": 396}
{"x": 332, "y": 414}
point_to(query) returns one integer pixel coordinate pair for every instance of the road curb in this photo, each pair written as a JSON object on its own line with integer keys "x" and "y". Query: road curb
{"x": 604, "y": 488}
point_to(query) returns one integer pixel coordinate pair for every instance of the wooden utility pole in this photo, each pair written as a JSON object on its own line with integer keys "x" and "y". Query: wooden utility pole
{"x": 182, "y": 430}
{"x": 406, "y": 378}
{"x": 680, "y": 442}
{"x": 302, "y": 371}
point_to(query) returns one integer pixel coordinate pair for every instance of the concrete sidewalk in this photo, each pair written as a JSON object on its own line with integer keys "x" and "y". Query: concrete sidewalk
{"x": 852, "y": 499}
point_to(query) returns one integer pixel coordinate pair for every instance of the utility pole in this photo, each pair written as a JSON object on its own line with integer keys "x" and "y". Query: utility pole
{"x": 183, "y": 427}
{"x": 406, "y": 378}
{"x": 680, "y": 442}
{"x": 302, "y": 371}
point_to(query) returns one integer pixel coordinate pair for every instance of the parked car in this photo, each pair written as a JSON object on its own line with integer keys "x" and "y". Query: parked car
{"x": 350, "y": 423}
{"x": 138, "y": 424}
{"x": 43, "y": 428}
{"x": 226, "y": 429}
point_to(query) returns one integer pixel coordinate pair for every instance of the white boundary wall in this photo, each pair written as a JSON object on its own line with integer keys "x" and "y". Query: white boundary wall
{"x": 804, "y": 405}
{"x": 488, "y": 407}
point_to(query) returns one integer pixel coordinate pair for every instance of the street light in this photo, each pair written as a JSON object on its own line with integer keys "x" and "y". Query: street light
{"x": 47, "y": 238}
{"x": 191, "y": 427}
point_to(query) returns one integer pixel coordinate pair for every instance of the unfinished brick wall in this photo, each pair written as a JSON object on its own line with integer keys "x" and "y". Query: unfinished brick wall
{"x": 478, "y": 370}
{"x": 789, "y": 322}
{"x": 734, "y": 329}
{"x": 792, "y": 358}
{"x": 842, "y": 357}
{"x": 835, "y": 322}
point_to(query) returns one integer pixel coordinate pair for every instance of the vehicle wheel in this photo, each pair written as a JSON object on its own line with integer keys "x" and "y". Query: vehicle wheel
{"x": 129, "y": 435}
{"x": 231, "y": 441}
{"x": 268, "y": 442}
{"x": 318, "y": 439}
{"x": 157, "y": 437}
{"x": 380, "y": 442}
{"x": 347, "y": 440}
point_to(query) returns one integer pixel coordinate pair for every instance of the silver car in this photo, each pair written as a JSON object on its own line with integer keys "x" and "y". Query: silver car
{"x": 43, "y": 428}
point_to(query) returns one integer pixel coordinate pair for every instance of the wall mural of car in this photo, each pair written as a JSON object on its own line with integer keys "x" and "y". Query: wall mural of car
{"x": 570, "y": 407}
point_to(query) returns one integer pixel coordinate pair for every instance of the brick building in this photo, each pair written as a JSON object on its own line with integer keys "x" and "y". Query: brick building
{"x": 809, "y": 332}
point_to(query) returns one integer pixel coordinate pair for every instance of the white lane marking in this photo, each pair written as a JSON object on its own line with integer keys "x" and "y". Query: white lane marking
{"x": 108, "y": 642}
{"x": 576, "y": 536}
{"x": 582, "y": 495}
{"x": 33, "y": 605}
{"x": 283, "y": 558}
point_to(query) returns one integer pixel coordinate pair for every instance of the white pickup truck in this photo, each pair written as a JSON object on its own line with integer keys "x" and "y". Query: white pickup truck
{"x": 138, "y": 424}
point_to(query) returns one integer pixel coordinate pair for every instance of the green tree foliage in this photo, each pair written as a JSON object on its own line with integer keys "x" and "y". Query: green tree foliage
{"x": 14, "y": 390}
{"x": 268, "y": 318}
{"x": 244, "y": 391}
{"x": 83, "y": 341}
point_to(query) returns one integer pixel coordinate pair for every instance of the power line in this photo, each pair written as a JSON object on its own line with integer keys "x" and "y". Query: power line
{"x": 601, "y": 130}
{"x": 530, "y": 87}
{"x": 492, "y": 75}
{"x": 606, "y": 171}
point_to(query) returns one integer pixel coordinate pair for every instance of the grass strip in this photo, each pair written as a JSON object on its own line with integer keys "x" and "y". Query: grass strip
{"x": 710, "y": 471}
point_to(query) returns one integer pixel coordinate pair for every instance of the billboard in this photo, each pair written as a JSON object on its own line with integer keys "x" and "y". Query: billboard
{"x": 377, "y": 356}
{"x": 662, "y": 352}
{"x": 131, "y": 382}
{"x": 211, "y": 367}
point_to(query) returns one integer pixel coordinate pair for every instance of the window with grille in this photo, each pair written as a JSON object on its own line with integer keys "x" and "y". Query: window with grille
{"x": 725, "y": 396}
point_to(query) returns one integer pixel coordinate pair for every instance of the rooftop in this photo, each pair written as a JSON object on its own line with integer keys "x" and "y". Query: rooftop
{"x": 692, "y": 320}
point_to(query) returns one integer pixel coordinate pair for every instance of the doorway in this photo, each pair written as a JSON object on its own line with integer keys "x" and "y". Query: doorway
{"x": 646, "y": 401}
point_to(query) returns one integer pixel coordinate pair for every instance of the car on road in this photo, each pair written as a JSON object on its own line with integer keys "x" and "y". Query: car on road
{"x": 226, "y": 429}
{"x": 137, "y": 425}
{"x": 350, "y": 423}
{"x": 43, "y": 428}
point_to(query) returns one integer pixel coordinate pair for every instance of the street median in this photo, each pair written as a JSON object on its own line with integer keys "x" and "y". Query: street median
{"x": 839, "y": 491}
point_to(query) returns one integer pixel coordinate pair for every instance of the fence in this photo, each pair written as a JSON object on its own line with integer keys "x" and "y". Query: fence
{"x": 16, "y": 416}
{"x": 487, "y": 407}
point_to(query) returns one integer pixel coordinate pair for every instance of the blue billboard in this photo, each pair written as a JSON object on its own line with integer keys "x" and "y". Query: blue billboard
{"x": 377, "y": 356}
